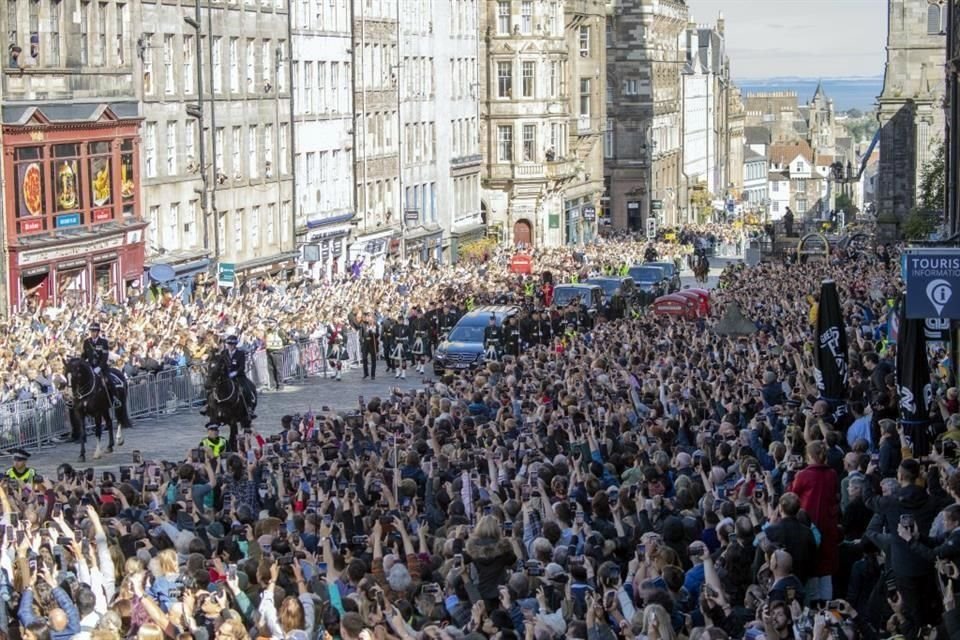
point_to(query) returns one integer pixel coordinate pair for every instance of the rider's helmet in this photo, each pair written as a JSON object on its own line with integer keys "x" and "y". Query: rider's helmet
{"x": 94, "y": 327}
{"x": 232, "y": 341}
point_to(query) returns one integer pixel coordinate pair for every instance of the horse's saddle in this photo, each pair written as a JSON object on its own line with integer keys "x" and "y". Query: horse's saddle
{"x": 116, "y": 377}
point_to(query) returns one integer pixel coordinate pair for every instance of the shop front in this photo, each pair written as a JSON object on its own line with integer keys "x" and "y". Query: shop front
{"x": 372, "y": 251}
{"x": 77, "y": 272}
{"x": 281, "y": 264}
{"x": 323, "y": 254}
{"x": 73, "y": 224}
{"x": 425, "y": 244}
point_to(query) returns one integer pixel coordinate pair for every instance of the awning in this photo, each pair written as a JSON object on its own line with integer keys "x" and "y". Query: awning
{"x": 319, "y": 223}
{"x": 268, "y": 264}
{"x": 423, "y": 232}
{"x": 469, "y": 230}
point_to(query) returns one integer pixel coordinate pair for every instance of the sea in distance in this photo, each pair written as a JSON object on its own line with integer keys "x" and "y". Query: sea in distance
{"x": 848, "y": 93}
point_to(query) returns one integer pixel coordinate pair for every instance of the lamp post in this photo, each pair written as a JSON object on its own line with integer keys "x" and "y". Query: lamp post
{"x": 195, "y": 111}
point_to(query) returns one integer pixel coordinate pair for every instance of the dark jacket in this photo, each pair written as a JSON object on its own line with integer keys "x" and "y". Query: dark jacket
{"x": 96, "y": 352}
{"x": 912, "y": 500}
{"x": 797, "y": 540}
{"x": 491, "y": 558}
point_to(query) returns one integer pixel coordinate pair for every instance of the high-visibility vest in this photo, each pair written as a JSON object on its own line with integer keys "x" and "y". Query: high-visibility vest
{"x": 26, "y": 476}
{"x": 470, "y": 303}
{"x": 215, "y": 446}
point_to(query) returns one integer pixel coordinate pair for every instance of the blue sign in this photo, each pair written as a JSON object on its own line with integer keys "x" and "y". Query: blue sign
{"x": 67, "y": 220}
{"x": 933, "y": 283}
{"x": 226, "y": 274}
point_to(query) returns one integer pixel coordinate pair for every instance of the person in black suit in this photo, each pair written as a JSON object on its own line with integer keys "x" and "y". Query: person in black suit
{"x": 794, "y": 537}
{"x": 369, "y": 345}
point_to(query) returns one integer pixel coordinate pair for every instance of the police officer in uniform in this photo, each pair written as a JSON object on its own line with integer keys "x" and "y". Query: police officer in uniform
{"x": 214, "y": 442}
{"x": 492, "y": 339}
{"x": 237, "y": 370}
{"x": 96, "y": 351}
{"x": 20, "y": 471}
{"x": 545, "y": 328}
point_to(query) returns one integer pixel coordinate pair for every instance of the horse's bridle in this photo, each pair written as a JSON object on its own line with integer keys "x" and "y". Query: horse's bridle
{"x": 93, "y": 386}
{"x": 233, "y": 389}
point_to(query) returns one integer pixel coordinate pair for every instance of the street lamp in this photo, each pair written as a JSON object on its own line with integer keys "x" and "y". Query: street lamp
{"x": 195, "y": 111}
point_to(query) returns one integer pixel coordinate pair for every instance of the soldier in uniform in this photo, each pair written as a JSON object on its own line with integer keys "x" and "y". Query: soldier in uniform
{"x": 492, "y": 339}
{"x": 420, "y": 326}
{"x": 511, "y": 336}
{"x": 20, "y": 471}
{"x": 528, "y": 330}
{"x": 388, "y": 333}
{"x": 336, "y": 348}
{"x": 448, "y": 319}
{"x": 400, "y": 352}
{"x": 214, "y": 442}
{"x": 96, "y": 351}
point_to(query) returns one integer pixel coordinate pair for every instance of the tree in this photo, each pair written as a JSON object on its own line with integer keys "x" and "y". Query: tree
{"x": 919, "y": 224}
{"x": 845, "y": 203}
{"x": 932, "y": 180}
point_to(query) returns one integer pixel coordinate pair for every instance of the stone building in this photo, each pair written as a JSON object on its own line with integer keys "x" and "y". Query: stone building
{"x": 241, "y": 49}
{"x": 776, "y": 111}
{"x": 735, "y": 141}
{"x": 376, "y": 131}
{"x": 439, "y": 113}
{"x": 910, "y": 108}
{"x": 73, "y": 228}
{"x": 323, "y": 121}
{"x": 542, "y": 115}
{"x": 644, "y": 163}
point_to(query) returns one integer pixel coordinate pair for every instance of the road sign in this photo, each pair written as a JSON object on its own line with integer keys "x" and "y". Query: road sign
{"x": 932, "y": 275}
{"x": 411, "y": 215}
{"x": 651, "y": 228}
{"x": 589, "y": 212}
{"x": 226, "y": 274}
{"x": 656, "y": 205}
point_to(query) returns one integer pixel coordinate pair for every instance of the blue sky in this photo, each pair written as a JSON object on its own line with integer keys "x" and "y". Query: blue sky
{"x": 803, "y": 38}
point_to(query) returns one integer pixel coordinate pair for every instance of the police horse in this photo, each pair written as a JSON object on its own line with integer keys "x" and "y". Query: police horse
{"x": 91, "y": 399}
{"x": 226, "y": 403}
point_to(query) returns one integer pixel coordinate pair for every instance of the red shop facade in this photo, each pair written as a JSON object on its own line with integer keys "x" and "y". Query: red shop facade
{"x": 74, "y": 229}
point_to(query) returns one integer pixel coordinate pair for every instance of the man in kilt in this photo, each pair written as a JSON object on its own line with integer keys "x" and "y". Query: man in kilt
{"x": 399, "y": 354}
{"x": 336, "y": 349}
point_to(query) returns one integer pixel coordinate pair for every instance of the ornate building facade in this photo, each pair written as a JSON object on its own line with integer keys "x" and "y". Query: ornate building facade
{"x": 73, "y": 227}
{"x": 542, "y": 114}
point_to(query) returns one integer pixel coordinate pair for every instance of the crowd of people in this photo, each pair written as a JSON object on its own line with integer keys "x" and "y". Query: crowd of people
{"x": 645, "y": 478}
{"x": 161, "y": 331}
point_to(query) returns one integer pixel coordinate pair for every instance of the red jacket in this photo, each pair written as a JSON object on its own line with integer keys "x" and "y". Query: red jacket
{"x": 819, "y": 491}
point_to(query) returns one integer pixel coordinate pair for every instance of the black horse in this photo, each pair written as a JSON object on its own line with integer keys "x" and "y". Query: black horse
{"x": 91, "y": 400}
{"x": 225, "y": 401}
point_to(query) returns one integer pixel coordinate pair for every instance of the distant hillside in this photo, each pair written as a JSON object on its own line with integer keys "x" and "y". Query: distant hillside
{"x": 847, "y": 93}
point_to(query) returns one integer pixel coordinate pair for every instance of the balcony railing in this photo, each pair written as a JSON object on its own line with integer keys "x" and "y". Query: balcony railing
{"x": 529, "y": 171}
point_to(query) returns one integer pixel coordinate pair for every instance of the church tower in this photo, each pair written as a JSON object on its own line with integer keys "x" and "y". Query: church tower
{"x": 822, "y": 138}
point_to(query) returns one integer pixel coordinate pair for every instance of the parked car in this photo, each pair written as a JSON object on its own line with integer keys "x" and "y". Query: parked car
{"x": 590, "y": 295}
{"x": 670, "y": 271}
{"x": 464, "y": 348}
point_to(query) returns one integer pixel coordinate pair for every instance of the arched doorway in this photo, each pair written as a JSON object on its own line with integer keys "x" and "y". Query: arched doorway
{"x": 522, "y": 233}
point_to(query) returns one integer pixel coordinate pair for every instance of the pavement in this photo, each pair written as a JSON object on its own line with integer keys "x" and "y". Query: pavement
{"x": 170, "y": 437}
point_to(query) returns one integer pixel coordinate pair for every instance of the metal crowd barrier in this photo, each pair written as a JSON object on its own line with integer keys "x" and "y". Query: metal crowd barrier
{"x": 32, "y": 423}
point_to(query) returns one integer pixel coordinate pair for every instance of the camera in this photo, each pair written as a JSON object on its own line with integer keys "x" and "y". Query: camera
{"x": 534, "y": 568}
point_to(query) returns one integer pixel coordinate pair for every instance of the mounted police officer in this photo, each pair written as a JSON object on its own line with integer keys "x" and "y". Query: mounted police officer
{"x": 20, "y": 471}
{"x": 96, "y": 351}
{"x": 237, "y": 371}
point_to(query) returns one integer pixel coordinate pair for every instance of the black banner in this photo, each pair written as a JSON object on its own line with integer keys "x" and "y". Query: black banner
{"x": 913, "y": 384}
{"x": 830, "y": 352}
